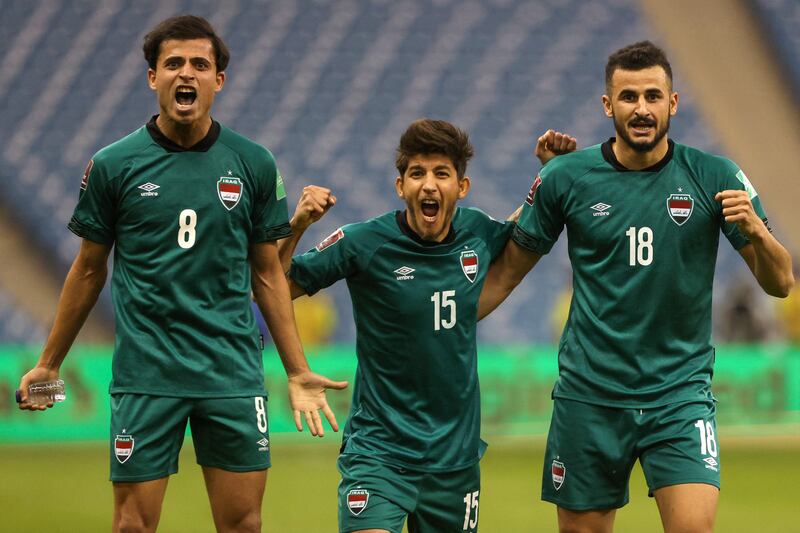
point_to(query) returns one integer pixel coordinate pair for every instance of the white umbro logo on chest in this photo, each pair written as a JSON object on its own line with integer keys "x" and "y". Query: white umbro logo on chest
{"x": 149, "y": 189}
{"x": 600, "y": 209}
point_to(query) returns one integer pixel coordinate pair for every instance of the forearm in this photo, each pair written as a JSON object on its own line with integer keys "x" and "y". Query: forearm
{"x": 78, "y": 296}
{"x": 271, "y": 292}
{"x": 288, "y": 245}
{"x": 505, "y": 273}
{"x": 772, "y": 265}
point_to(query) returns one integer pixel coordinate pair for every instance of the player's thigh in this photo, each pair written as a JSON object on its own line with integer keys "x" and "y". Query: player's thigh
{"x": 374, "y": 495}
{"x": 231, "y": 434}
{"x": 589, "y": 456}
{"x": 235, "y": 498}
{"x": 137, "y": 505}
{"x": 680, "y": 446}
{"x": 586, "y": 521}
{"x": 448, "y": 502}
{"x": 146, "y": 436}
{"x": 688, "y": 508}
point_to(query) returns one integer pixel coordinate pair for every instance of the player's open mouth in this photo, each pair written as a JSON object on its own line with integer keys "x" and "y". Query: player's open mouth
{"x": 430, "y": 208}
{"x": 642, "y": 127}
{"x": 185, "y": 96}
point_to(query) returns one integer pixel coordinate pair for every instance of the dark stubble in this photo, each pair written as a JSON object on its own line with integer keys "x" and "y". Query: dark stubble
{"x": 641, "y": 146}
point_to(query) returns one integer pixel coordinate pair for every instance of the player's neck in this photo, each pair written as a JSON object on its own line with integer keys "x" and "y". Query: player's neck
{"x": 634, "y": 160}
{"x": 184, "y": 135}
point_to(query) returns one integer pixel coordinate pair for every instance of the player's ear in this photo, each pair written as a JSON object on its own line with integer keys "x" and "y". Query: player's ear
{"x": 463, "y": 187}
{"x": 398, "y": 185}
{"x": 607, "y": 106}
{"x": 151, "y": 78}
{"x": 220, "y": 81}
{"x": 673, "y": 104}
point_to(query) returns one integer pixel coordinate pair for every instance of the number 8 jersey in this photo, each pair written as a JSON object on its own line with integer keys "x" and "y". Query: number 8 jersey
{"x": 416, "y": 401}
{"x": 643, "y": 246}
{"x": 181, "y": 222}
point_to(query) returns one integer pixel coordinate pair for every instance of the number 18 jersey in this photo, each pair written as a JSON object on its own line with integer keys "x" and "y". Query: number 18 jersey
{"x": 416, "y": 401}
{"x": 181, "y": 222}
{"x": 643, "y": 247}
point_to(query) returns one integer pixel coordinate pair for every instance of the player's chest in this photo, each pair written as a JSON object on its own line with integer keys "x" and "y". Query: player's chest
{"x": 667, "y": 210}
{"x": 185, "y": 189}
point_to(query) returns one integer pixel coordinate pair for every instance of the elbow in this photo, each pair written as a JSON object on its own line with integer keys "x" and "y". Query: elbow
{"x": 783, "y": 288}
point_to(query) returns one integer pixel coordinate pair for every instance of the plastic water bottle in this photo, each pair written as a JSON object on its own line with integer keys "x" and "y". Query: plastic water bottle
{"x": 44, "y": 393}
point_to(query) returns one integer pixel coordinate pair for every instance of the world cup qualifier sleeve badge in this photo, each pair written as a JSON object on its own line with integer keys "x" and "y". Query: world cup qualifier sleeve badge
{"x": 123, "y": 447}
{"x": 680, "y": 207}
{"x": 229, "y": 191}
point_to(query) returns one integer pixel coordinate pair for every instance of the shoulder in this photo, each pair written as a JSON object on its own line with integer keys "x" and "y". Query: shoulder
{"x": 704, "y": 163}
{"x": 473, "y": 217}
{"x": 247, "y": 149}
{"x": 572, "y": 165}
{"x": 362, "y": 237}
{"x": 117, "y": 154}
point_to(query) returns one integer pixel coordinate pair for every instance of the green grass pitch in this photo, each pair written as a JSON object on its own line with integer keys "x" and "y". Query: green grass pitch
{"x": 64, "y": 487}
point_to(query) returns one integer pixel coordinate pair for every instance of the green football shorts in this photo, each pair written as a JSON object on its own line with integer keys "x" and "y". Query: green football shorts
{"x": 591, "y": 450}
{"x": 147, "y": 434}
{"x": 376, "y": 495}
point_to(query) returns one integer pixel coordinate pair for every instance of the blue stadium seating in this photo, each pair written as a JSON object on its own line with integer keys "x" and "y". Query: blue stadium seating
{"x": 16, "y": 327}
{"x": 328, "y": 86}
{"x": 781, "y": 18}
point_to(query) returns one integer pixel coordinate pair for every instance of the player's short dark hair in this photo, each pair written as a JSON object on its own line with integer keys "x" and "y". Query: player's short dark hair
{"x": 427, "y": 136}
{"x": 637, "y": 56}
{"x": 183, "y": 28}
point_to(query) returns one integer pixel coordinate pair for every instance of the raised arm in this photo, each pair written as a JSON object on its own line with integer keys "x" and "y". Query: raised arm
{"x": 553, "y": 143}
{"x": 82, "y": 286}
{"x": 312, "y": 205}
{"x": 505, "y": 273}
{"x": 769, "y": 261}
{"x": 271, "y": 292}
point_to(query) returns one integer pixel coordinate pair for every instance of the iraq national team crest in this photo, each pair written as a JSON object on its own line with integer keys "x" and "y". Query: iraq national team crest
{"x": 559, "y": 472}
{"x": 229, "y": 191}
{"x": 680, "y": 207}
{"x": 123, "y": 447}
{"x": 357, "y": 500}
{"x": 469, "y": 264}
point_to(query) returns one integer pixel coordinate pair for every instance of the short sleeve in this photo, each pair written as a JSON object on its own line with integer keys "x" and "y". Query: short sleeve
{"x": 94, "y": 215}
{"x": 542, "y": 219}
{"x": 336, "y": 257}
{"x": 734, "y": 178}
{"x": 270, "y": 212}
{"x": 493, "y": 232}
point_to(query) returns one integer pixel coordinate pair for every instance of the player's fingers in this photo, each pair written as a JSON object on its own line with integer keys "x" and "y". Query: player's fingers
{"x": 310, "y": 423}
{"x": 318, "y": 424}
{"x": 337, "y": 385}
{"x": 328, "y": 412}
{"x": 731, "y": 193}
{"x": 297, "y": 423}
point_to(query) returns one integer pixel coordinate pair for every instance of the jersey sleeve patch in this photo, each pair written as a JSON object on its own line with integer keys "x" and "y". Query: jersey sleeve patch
{"x": 330, "y": 240}
{"x": 532, "y": 193}
{"x": 85, "y": 178}
{"x": 747, "y": 185}
{"x": 280, "y": 188}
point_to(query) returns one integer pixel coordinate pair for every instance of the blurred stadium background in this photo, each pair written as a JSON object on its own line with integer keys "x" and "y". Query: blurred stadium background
{"x": 328, "y": 86}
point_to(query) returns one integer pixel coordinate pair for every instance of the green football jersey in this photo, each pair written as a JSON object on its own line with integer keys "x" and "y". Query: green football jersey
{"x": 181, "y": 222}
{"x": 643, "y": 247}
{"x": 416, "y": 401}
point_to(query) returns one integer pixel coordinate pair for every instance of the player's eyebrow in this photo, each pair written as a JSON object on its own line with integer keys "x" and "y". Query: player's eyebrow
{"x": 174, "y": 59}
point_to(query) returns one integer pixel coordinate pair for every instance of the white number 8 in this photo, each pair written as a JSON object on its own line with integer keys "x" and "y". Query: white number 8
{"x": 187, "y": 221}
{"x": 261, "y": 415}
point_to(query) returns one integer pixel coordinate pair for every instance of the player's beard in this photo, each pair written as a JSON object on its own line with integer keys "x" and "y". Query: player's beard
{"x": 641, "y": 146}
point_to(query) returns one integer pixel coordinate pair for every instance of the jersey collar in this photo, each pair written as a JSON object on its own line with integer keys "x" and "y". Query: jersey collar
{"x": 201, "y": 146}
{"x": 608, "y": 155}
{"x": 400, "y": 216}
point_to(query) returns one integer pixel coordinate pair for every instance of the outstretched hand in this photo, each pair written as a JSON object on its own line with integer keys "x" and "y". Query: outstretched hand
{"x": 313, "y": 204}
{"x": 307, "y": 397}
{"x": 553, "y": 143}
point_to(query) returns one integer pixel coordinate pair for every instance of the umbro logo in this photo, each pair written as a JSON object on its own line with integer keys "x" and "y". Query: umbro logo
{"x": 263, "y": 445}
{"x": 149, "y": 189}
{"x": 711, "y": 463}
{"x": 600, "y": 210}
{"x": 404, "y": 273}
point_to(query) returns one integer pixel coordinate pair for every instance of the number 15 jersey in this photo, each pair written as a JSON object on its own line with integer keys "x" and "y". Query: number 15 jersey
{"x": 181, "y": 222}
{"x": 643, "y": 247}
{"x": 416, "y": 401}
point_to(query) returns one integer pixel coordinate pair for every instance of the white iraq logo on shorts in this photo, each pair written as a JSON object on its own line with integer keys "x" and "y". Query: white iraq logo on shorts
{"x": 559, "y": 472}
{"x": 357, "y": 500}
{"x": 123, "y": 447}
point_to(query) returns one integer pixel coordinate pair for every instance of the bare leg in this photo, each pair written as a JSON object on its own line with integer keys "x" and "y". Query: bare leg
{"x": 235, "y": 499}
{"x": 137, "y": 506}
{"x": 688, "y": 508}
{"x": 599, "y": 521}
